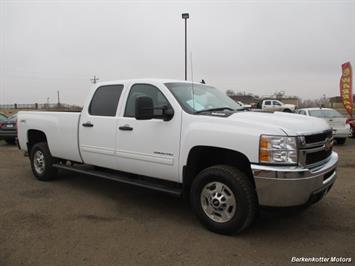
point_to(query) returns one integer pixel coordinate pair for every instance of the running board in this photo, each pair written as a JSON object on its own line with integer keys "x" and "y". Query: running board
{"x": 139, "y": 181}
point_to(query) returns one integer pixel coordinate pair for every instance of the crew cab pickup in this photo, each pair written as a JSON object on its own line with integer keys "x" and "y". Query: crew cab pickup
{"x": 190, "y": 140}
{"x": 270, "y": 105}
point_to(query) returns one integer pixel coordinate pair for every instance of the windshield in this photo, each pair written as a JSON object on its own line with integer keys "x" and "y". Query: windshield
{"x": 2, "y": 117}
{"x": 325, "y": 113}
{"x": 197, "y": 97}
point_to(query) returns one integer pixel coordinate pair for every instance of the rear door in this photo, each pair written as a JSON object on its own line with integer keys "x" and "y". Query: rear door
{"x": 97, "y": 127}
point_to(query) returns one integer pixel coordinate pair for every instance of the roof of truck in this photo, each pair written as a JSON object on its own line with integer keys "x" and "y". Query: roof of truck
{"x": 143, "y": 80}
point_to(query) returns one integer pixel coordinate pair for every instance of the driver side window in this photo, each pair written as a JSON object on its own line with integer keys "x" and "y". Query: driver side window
{"x": 151, "y": 91}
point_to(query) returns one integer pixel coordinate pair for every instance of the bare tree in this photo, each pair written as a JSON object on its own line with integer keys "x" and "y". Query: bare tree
{"x": 230, "y": 92}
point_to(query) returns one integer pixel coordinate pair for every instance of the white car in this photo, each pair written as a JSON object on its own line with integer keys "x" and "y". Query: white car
{"x": 341, "y": 130}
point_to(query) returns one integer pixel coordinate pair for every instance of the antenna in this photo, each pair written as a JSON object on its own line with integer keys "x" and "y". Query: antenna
{"x": 192, "y": 83}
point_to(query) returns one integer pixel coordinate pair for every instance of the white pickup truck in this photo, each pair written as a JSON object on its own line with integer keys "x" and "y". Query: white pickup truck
{"x": 186, "y": 139}
{"x": 271, "y": 105}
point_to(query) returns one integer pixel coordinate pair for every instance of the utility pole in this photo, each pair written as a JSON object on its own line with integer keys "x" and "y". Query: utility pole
{"x": 58, "y": 97}
{"x": 185, "y": 16}
{"x": 94, "y": 79}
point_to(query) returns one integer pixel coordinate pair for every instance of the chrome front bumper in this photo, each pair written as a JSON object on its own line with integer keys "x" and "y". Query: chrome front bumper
{"x": 293, "y": 186}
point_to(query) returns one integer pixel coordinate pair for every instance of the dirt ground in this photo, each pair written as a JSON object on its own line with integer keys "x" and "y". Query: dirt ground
{"x": 82, "y": 220}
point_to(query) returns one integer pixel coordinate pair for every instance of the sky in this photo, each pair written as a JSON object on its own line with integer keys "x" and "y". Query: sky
{"x": 258, "y": 47}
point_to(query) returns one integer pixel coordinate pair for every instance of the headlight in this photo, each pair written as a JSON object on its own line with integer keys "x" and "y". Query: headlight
{"x": 278, "y": 150}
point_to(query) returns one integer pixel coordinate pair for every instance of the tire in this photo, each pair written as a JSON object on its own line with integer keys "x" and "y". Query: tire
{"x": 42, "y": 161}
{"x": 340, "y": 141}
{"x": 287, "y": 111}
{"x": 230, "y": 182}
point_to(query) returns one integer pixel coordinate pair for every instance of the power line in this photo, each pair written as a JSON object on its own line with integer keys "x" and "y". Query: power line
{"x": 94, "y": 79}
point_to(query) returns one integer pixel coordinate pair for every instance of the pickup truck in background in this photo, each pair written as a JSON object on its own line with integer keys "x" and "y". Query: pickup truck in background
{"x": 190, "y": 140}
{"x": 270, "y": 105}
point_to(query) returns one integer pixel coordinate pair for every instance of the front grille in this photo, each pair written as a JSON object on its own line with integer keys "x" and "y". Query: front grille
{"x": 318, "y": 137}
{"x": 315, "y": 157}
{"x": 316, "y": 148}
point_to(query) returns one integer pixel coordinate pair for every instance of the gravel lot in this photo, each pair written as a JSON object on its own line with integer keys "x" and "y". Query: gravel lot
{"x": 82, "y": 220}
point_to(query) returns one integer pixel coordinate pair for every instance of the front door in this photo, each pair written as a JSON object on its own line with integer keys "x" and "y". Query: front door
{"x": 149, "y": 147}
{"x": 98, "y": 127}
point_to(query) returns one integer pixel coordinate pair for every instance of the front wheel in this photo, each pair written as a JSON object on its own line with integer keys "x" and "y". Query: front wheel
{"x": 224, "y": 199}
{"x": 42, "y": 162}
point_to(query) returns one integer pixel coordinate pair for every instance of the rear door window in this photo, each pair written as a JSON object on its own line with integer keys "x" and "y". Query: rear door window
{"x": 105, "y": 100}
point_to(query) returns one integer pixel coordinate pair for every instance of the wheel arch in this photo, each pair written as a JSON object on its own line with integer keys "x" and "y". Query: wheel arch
{"x": 35, "y": 136}
{"x": 201, "y": 157}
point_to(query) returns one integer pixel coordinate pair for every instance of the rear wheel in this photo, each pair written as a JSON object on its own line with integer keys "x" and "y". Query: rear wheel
{"x": 224, "y": 199}
{"x": 42, "y": 162}
{"x": 340, "y": 141}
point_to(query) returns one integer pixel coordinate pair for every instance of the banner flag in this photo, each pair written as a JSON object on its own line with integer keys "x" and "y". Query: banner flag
{"x": 346, "y": 91}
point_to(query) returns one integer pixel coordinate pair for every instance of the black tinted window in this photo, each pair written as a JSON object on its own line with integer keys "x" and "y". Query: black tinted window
{"x": 105, "y": 100}
{"x": 267, "y": 102}
{"x": 151, "y": 91}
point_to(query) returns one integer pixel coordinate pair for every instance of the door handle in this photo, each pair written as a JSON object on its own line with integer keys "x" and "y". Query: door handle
{"x": 87, "y": 124}
{"x": 126, "y": 128}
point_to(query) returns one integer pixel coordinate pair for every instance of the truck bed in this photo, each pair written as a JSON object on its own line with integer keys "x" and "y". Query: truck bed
{"x": 60, "y": 128}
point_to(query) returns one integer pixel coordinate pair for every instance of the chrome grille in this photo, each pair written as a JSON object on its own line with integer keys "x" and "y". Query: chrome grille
{"x": 315, "y": 148}
{"x": 320, "y": 137}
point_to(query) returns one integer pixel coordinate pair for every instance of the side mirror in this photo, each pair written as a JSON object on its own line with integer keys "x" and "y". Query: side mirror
{"x": 144, "y": 108}
{"x": 168, "y": 113}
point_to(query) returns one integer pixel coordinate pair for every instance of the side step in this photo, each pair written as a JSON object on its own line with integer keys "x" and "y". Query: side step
{"x": 172, "y": 188}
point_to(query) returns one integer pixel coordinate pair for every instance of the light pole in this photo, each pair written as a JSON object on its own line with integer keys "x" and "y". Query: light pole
{"x": 185, "y": 16}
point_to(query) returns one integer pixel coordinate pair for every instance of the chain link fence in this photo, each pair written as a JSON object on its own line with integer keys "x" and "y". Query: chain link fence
{"x": 42, "y": 106}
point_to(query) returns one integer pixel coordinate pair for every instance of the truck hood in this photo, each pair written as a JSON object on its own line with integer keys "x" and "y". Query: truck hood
{"x": 291, "y": 124}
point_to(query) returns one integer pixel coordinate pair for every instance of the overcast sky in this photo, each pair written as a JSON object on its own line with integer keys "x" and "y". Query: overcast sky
{"x": 254, "y": 46}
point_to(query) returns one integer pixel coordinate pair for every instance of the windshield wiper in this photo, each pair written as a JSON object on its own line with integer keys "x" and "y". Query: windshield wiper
{"x": 214, "y": 109}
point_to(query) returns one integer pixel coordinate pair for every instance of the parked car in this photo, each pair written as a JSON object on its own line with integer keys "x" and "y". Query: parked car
{"x": 270, "y": 105}
{"x": 188, "y": 140}
{"x": 8, "y": 129}
{"x": 3, "y": 117}
{"x": 351, "y": 122}
{"x": 341, "y": 130}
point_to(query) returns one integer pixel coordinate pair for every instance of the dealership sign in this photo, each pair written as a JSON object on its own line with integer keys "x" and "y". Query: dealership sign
{"x": 346, "y": 87}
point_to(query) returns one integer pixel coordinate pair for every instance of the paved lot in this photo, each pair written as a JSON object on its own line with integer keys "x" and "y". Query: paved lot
{"x": 81, "y": 220}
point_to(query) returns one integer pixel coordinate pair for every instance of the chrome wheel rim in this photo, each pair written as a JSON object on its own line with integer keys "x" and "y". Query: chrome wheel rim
{"x": 218, "y": 202}
{"x": 38, "y": 162}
